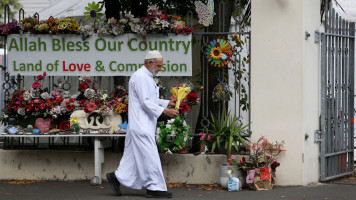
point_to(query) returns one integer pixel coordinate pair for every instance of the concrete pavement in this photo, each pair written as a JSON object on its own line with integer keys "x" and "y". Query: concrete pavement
{"x": 84, "y": 191}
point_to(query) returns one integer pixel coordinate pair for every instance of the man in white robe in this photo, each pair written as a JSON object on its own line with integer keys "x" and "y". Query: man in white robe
{"x": 140, "y": 166}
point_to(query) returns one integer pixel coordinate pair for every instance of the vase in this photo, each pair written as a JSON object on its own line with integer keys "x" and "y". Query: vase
{"x": 237, "y": 173}
{"x": 202, "y": 147}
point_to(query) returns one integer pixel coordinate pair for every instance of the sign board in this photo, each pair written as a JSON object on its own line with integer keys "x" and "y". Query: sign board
{"x": 70, "y": 55}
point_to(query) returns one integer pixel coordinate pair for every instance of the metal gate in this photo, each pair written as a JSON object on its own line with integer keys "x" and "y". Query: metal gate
{"x": 337, "y": 94}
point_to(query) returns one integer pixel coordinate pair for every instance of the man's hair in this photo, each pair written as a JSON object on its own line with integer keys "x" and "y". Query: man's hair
{"x": 148, "y": 60}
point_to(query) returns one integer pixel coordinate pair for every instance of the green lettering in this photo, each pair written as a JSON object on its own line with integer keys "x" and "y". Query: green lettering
{"x": 127, "y": 67}
{"x": 160, "y": 45}
{"x": 70, "y": 46}
{"x": 123, "y": 67}
{"x": 97, "y": 44}
{"x": 13, "y": 44}
{"x": 86, "y": 45}
{"x": 79, "y": 46}
{"x": 56, "y": 44}
{"x": 186, "y": 47}
{"x": 176, "y": 67}
{"x": 183, "y": 65}
{"x": 130, "y": 47}
{"x": 32, "y": 46}
{"x": 142, "y": 48}
{"x": 171, "y": 44}
{"x": 40, "y": 43}
{"x": 111, "y": 63}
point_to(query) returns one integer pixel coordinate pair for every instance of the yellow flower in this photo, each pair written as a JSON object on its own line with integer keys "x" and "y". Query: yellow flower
{"x": 215, "y": 53}
{"x": 180, "y": 93}
{"x": 74, "y": 120}
{"x": 219, "y": 89}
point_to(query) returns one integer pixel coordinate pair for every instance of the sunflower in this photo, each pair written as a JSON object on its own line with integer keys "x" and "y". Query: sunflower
{"x": 215, "y": 53}
{"x": 218, "y": 52}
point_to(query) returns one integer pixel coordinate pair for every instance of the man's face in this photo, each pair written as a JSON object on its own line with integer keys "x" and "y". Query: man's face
{"x": 155, "y": 68}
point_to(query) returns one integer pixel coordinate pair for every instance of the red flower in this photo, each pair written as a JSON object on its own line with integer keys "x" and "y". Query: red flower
{"x": 8, "y": 107}
{"x": 82, "y": 102}
{"x": 44, "y": 73}
{"x": 37, "y": 101}
{"x": 183, "y": 107}
{"x": 192, "y": 97}
{"x": 97, "y": 101}
{"x": 125, "y": 93}
{"x": 36, "y": 85}
{"x": 40, "y": 77}
{"x": 164, "y": 17}
{"x": 242, "y": 159}
{"x": 90, "y": 107}
{"x": 69, "y": 108}
{"x": 83, "y": 86}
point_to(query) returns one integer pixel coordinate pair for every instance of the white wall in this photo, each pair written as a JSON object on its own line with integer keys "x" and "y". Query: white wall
{"x": 311, "y": 91}
{"x": 284, "y": 83}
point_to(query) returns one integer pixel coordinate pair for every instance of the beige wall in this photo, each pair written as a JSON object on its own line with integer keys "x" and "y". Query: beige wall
{"x": 311, "y": 91}
{"x": 72, "y": 166}
{"x": 284, "y": 83}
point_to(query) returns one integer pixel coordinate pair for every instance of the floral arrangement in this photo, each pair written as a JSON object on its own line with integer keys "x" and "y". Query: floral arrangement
{"x": 173, "y": 135}
{"x": 186, "y": 98}
{"x": 40, "y": 102}
{"x": 154, "y": 22}
{"x": 263, "y": 154}
{"x": 9, "y": 28}
{"x": 222, "y": 91}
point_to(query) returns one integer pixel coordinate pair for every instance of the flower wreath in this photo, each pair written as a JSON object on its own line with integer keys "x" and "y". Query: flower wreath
{"x": 222, "y": 92}
{"x": 218, "y": 52}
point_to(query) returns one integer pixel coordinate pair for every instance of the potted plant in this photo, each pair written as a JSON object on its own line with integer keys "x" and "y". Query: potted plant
{"x": 262, "y": 160}
{"x": 226, "y": 133}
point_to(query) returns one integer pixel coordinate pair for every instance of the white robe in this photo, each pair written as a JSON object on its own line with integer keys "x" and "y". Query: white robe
{"x": 140, "y": 166}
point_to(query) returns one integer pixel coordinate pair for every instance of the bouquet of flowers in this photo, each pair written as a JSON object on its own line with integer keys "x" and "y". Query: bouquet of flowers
{"x": 263, "y": 154}
{"x": 179, "y": 92}
{"x": 173, "y": 135}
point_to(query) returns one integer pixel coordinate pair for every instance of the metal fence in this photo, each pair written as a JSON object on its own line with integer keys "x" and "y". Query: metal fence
{"x": 337, "y": 96}
{"x": 237, "y": 74}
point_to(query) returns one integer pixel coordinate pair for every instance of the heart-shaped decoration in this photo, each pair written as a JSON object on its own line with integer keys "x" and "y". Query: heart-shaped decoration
{"x": 44, "y": 125}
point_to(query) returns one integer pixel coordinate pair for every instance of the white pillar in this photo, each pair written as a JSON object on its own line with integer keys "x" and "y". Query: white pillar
{"x": 284, "y": 83}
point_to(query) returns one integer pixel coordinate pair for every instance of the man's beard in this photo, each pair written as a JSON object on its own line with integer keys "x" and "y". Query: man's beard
{"x": 153, "y": 71}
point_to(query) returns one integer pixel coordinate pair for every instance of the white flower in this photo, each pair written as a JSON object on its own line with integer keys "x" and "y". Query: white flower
{"x": 128, "y": 16}
{"x": 168, "y": 126}
{"x": 135, "y": 20}
{"x": 27, "y": 95}
{"x": 21, "y": 111}
{"x": 45, "y": 95}
{"x": 104, "y": 96}
{"x": 116, "y": 30}
{"x": 123, "y": 21}
{"x": 165, "y": 23}
{"x": 6, "y": 116}
{"x": 170, "y": 121}
{"x": 89, "y": 93}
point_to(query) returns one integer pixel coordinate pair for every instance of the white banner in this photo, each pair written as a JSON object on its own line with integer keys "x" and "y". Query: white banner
{"x": 70, "y": 55}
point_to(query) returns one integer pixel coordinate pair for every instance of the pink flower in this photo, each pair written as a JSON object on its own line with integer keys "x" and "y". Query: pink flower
{"x": 36, "y": 85}
{"x": 90, "y": 107}
{"x": 39, "y": 77}
{"x": 44, "y": 73}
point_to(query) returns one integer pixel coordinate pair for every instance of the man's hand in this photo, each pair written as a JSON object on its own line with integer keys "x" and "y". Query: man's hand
{"x": 172, "y": 103}
{"x": 171, "y": 112}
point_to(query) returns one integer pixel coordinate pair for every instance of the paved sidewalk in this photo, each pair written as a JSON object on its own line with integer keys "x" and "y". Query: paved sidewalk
{"x": 84, "y": 191}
